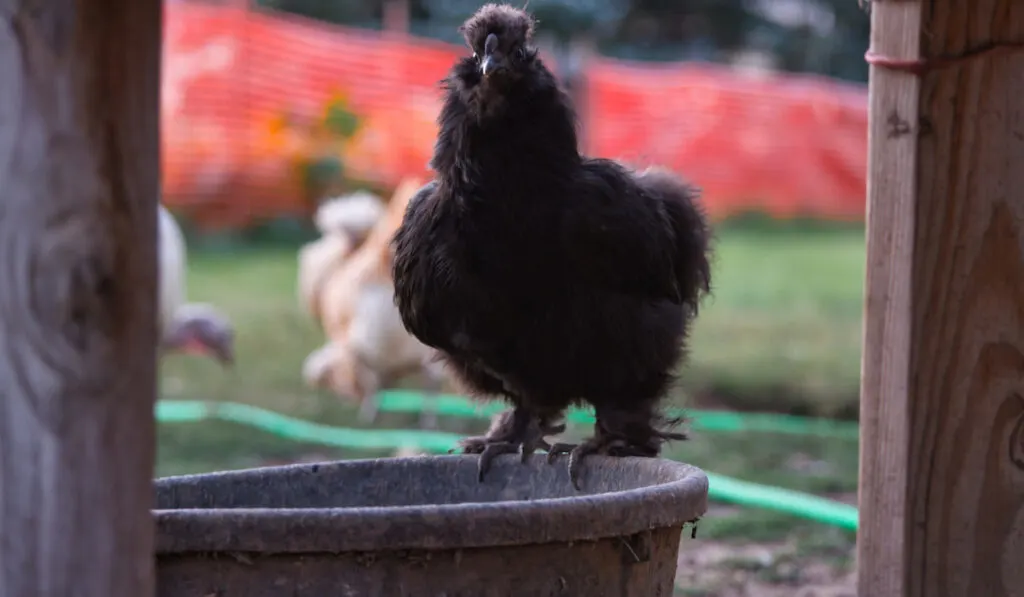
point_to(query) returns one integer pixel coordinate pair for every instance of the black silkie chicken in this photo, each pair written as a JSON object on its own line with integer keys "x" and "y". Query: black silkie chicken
{"x": 540, "y": 275}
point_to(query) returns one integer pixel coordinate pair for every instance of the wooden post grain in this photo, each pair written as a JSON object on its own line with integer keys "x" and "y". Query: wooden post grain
{"x": 79, "y": 182}
{"x": 942, "y": 411}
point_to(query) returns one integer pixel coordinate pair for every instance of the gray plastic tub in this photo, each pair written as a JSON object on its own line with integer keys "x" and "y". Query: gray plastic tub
{"x": 424, "y": 527}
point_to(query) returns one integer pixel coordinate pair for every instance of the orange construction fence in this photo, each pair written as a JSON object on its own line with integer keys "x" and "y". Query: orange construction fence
{"x": 243, "y": 91}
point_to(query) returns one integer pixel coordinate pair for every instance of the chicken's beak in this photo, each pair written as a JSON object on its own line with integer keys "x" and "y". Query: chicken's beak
{"x": 490, "y": 65}
{"x": 223, "y": 349}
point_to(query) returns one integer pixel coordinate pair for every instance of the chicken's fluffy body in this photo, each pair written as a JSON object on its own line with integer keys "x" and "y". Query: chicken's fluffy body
{"x": 368, "y": 348}
{"x": 344, "y": 223}
{"x": 543, "y": 276}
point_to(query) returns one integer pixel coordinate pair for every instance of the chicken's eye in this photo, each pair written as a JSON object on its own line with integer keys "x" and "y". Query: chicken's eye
{"x": 521, "y": 53}
{"x": 476, "y": 57}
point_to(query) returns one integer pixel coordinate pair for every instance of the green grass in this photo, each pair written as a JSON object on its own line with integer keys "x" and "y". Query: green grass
{"x": 781, "y": 333}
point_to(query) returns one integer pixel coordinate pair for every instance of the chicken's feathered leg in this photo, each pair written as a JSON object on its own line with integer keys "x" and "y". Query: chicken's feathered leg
{"x": 512, "y": 431}
{"x": 618, "y": 433}
{"x": 369, "y": 383}
{"x": 368, "y": 410}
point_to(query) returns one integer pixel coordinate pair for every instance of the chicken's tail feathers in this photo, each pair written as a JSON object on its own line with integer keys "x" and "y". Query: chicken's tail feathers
{"x": 691, "y": 228}
{"x": 353, "y": 214}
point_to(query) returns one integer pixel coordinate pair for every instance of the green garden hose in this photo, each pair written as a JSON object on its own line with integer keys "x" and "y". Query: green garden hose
{"x": 182, "y": 411}
{"x": 721, "y": 488}
{"x": 701, "y": 420}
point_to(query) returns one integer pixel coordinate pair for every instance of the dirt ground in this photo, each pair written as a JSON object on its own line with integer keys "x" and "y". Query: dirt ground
{"x": 716, "y": 569}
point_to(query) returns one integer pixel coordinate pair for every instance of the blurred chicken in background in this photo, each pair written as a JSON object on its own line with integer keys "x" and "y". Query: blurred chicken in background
{"x": 343, "y": 223}
{"x": 189, "y": 328}
{"x": 345, "y": 283}
{"x": 353, "y": 214}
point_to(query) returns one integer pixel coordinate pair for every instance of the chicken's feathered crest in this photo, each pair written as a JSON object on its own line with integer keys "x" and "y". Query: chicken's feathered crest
{"x": 504, "y": 73}
{"x": 502, "y": 20}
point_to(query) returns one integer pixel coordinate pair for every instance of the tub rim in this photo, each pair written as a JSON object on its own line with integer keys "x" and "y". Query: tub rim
{"x": 681, "y": 498}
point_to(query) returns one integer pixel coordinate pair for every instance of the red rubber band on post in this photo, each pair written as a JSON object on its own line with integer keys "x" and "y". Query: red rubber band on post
{"x": 921, "y": 66}
{"x": 916, "y": 67}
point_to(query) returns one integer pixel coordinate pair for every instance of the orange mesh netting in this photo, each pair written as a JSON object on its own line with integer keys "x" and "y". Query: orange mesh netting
{"x": 243, "y": 90}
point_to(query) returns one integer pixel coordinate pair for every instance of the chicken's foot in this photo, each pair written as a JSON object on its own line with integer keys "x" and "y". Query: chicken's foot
{"x": 514, "y": 431}
{"x": 619, "y": 433}
{"x": 599, "y": 444}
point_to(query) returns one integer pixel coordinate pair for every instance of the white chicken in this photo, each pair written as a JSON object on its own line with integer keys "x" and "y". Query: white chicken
{"x": 193, "y": 328}
{"x": 373, "y": 353}
{"x": 344, "y": 223}
{"x": 368, "y": 348}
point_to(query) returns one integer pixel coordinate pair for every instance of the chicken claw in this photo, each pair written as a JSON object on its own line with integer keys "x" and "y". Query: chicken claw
{"x": 510, "y": 434}
{"x": 595, "y": 445}
{"x": 491, "y": 452}
{"x": 488, "y": 449}
{"x": 576, "y": 452}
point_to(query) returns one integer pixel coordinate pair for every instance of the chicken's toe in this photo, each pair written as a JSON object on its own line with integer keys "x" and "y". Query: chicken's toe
{"x": 527, "y": 448}
{"x": 511, "y": 432}
{"x": 577, "y": 452}
{"x": 492, "y": 451}
{"x": 558, "y": 449}
{"x": 576, "y": 457}
{"x": 473, "y": 445}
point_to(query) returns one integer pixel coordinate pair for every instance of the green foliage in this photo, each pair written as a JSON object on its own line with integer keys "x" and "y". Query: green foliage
{"x": 339, "y": 119}
{"x": 321, "y": 164}
{"x": 322, "y": 172}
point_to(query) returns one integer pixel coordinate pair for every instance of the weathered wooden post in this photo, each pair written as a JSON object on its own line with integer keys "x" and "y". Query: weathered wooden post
{"x": 79, "y": 182}
{"x": 942, "y": 443}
